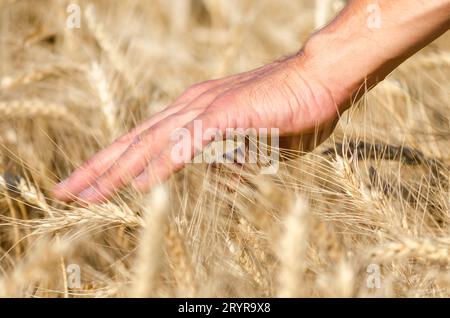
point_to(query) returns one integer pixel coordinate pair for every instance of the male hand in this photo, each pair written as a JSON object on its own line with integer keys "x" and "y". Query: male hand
{"x": 284, "y": 95}
{"x": 301, "y": 95}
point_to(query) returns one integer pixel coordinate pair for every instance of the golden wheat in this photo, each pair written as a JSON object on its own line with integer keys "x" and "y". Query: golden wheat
{"x": 376, "y": 193}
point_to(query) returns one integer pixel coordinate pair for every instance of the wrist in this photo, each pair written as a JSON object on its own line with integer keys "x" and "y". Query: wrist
{"x": 351, "y": 55}
{"x": 339, "y": 65}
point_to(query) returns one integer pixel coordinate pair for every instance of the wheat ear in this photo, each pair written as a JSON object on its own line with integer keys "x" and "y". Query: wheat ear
{"x": 38, "y": 74}
{"x": 29, "y": 109}
{"x": 292, "y": 250}
{"x": 100, "y": 83}
{"x": 429, "y": 60}
{"x": 180, "y": 263}
{"x": 107, "y": 213}
{"x": 113, "y": 54}
{"x": 150, "y": 253}
{"x": 426, "y": 249}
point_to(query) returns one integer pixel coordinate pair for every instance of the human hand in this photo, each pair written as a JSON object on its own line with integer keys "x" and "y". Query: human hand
{"x": 285, "y": 95}
{"x": 301, "y": 95}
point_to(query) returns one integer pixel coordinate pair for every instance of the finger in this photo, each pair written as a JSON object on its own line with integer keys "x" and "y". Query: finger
{"x": 161, "y": 167}
{"x": 161, "y": 163}
{"x": 85, "y": 175}
{"x": 134, "y": 160}
{"x": 166, "y": 163}
{"x": 99, "y": 163}
{"x": 158, "y": 170}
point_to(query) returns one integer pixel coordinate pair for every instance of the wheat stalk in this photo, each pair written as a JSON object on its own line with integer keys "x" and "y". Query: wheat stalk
{"x": 147, "y": 269}
{"x": 104, "y": 214}
{"x": 292, "y": 250}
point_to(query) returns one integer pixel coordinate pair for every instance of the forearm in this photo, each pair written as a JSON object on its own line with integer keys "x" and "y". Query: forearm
{"x": 369, "y": 39}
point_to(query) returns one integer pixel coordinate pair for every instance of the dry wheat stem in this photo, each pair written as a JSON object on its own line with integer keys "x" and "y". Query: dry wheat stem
{"x": 149, "y": 260}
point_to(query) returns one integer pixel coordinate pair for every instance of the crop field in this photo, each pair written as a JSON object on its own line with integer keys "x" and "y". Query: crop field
{"x": 366, "y": 214}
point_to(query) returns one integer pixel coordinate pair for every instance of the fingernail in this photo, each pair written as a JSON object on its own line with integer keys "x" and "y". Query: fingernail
{"x": 86, "y": 193}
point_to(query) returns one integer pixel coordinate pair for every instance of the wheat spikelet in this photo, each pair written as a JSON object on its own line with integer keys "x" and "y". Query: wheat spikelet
{"x": 21, "y": 187}
{"x": 107, "y": 213}
{"x": 38, "y": 74}
{"x": 100, "y": 83}
{"x": 351, "y": 184}
{"x": 102, "y": 215}
{"x": 245, "y": 244}
{"x": 29, "y": 109}
{"x": 407, "y": 248}
{"x": 180, "y": 263}
{"x": 246, "y": 261}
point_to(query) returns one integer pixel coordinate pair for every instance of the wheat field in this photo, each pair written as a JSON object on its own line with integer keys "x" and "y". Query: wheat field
{"x": 366, "y": 214}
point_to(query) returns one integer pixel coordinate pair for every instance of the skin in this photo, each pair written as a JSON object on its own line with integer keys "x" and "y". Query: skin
{"x": 302, "y": 95}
